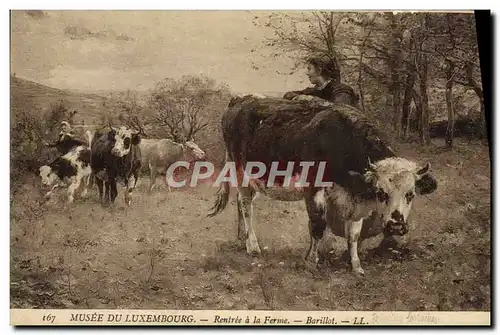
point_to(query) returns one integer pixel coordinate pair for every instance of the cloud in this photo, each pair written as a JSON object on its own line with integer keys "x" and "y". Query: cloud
{"x": 78, "y": 33}
{"x": 36, "y": 14}
{"x": 124, "y": 49}
{"x": 124, "y": 37}
{"x": 82, "y": 33}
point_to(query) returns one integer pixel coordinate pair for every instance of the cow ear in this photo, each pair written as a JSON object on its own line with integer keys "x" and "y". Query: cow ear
{"x": 111, "y": 135}
{"x": 426, "y": 184}
{"x": 422, "y": 171}
{"x": 362, "y": 183}
{"x": 136, "y": 139}
{"x": 367, "y": 177}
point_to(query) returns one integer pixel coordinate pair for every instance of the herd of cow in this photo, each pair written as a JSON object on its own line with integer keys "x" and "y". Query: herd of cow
{"x": 111, "y": 156}
{"x": 372, "y": 193}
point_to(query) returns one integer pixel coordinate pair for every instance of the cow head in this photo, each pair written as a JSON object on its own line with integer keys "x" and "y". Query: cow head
{"x": 48, "y": 177}
{"x": 194, "y": 150}
{"x": 65, "y": 136}
{"x": 122, "y": 139}
{"x": 395, "y": 182}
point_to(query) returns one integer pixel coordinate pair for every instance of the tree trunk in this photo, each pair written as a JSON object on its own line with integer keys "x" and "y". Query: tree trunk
{"x": 479, "y": 92}
{"x": 396, "y": 107}
{"x": 360, "y": 84}
{"x": 408, "y": 95}
{"x": 360, "y": 71}
{"x": 422, "y": 65}
{"x": 410, "y": 80}
{"x": 395, "y": 66}
{"x": 424, "y": 125}
{"x": 450, "y": 67}
{"x": 415, "y": 122}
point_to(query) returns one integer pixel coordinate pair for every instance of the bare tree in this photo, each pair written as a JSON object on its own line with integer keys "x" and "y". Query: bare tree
{"x": 182, "y": 105}
{"x": 130, "y": 109}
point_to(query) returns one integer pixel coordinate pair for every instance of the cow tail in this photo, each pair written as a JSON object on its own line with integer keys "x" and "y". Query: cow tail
{"x": 222, "y": 196}
{"x": 222, "y": 199}
{"x": 91, "y": 177}
{"x": 88, "y": 137}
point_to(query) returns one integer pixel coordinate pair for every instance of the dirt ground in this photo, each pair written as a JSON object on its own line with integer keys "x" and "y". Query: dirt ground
{"x": 162, "y": 253}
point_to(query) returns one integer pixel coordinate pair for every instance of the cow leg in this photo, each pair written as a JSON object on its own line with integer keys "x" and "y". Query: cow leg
{"x": 388, "y": 242}
{"x": 100, "y": 186}
{"x": 130, "y": 187}
{"x": 86, "y": 186}
{"x": 113, "y": 191}
{"x": 72, "y": 188}
{"x": 245, "y": 198}
{"x": 136, "y": 177}
{"x": 152, "y": 177}
{"x": 164, "y": 171}
{"x": 316, "y": 207}
{"x": 241, "y": 223}
{"x": 353, "y": 233}
{"x": 107, "y": 192}
{"x": 48, "y": 195}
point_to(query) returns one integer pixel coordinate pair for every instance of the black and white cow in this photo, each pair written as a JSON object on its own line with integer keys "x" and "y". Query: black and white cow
{"x": 116, "y": 156}
{"x": 372, "y": 189}
{"x": 69, "y": 169}
{"x": 66, "y": 141}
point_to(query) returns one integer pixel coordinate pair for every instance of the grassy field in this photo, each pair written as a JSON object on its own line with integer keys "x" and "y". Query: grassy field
{"x": 163, "y": 253}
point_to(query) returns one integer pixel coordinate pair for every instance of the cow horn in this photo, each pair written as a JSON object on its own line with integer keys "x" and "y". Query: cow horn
{"x": 137, "y": 124}
{"x": 110, "y": 126}
{"x": 137, "y": 132}
{"x": 371, "y": 165}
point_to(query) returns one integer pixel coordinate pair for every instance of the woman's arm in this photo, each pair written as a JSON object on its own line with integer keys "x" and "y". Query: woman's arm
{"x": 292, "y": 94}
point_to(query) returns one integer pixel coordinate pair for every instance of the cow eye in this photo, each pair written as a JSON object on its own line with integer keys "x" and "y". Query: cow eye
{"x": 382, "y": 196}
{"x": 126, "y": 143}
{"x": 409, "y": 196}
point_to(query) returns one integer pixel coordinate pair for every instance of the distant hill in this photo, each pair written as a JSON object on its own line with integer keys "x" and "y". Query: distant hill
{"x": 25, "y": 94}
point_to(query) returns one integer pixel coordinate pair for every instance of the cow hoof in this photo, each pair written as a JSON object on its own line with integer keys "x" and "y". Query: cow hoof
{"x": 252, "y": 245}
{"x": 358, "y": 271}
{"x": 254, "y": 253}
{"x": 253, "y": 250}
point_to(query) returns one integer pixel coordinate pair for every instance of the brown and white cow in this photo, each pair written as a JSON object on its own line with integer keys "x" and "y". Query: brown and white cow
{"x": 160, "y": 154}
{"x": 364, "y": 199}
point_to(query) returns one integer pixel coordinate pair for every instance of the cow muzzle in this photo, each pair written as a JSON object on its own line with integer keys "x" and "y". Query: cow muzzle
{"x": 396, "y": 228}
{"x": 116, "y": 152}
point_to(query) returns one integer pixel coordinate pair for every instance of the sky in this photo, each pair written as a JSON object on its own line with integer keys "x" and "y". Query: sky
{"x": 119, "y": 50}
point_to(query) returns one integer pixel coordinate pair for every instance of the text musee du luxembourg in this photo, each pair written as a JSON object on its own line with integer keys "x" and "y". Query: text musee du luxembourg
{"x": 134, "y": 318}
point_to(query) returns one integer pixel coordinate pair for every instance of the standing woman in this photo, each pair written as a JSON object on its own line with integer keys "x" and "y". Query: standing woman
{"x": 324, "y": 74}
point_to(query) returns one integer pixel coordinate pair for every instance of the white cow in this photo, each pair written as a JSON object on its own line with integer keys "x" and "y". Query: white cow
{"x": 159, "y": 154}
